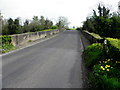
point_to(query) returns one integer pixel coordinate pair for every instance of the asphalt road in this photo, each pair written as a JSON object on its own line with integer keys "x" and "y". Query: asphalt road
{"x": 55, "y": 63}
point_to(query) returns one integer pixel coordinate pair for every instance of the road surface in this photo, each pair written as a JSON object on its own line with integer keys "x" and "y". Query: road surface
{"x": 55, "y": 63}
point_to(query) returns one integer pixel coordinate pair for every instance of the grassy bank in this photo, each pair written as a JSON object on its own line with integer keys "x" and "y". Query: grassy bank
{"x": 114, "y": 42}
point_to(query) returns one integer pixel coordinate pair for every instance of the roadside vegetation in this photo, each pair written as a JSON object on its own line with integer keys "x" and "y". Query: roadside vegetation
{"x": 104, "y": 23}
{"x": 103, "y": 59}
{"x": 13, "y": 26}
{"x": 103, "y": 64}
{"x": 6, "y": 45}
{"x": 47, "y": 30}
{"x": 114, "y": 42}
{"x": 72, "y": 29}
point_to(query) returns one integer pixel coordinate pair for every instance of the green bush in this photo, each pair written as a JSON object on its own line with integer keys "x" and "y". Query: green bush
{"x": 5, "y": 39}
{"x": 30, "y": 41}
{"x": 6, "y": 48}
{"x": 113, "y": 53}
{"x": 104, "y": 77}
{"x": 5, "y": 45}
{"x": 54, "y": 27}
{"x": 110, "y": 83}
{"x": 94, "y": 81}
{"x": 93, "y": 54}
{"x": 103, "y": 82}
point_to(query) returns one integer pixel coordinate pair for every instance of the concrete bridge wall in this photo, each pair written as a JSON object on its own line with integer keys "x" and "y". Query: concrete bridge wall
{"x": 89, "y": 37}
{"x": 19, "y": 39}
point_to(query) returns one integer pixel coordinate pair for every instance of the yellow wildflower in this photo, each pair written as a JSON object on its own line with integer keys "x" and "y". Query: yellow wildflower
{"x": 107, "y": 66}
{"x": 105, "y": 61}
{"x": 108, "y": 60}
{"x": 108, "y": 69}
{"x": 103, "y": 68}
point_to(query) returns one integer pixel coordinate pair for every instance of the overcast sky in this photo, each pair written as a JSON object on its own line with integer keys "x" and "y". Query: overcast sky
{"x": 75, "y": 10}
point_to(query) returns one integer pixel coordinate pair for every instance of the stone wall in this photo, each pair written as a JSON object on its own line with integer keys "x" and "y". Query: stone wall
{"x": 91, "y": 38}
{"x": 19, "y": 39}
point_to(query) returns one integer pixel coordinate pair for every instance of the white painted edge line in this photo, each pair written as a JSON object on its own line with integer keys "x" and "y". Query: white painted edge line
{"x": 29, "y": 45}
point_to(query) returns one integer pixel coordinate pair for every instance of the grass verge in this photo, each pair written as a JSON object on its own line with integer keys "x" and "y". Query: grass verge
{"x": 94, "y": 35}
{"x": 114, "y": 42}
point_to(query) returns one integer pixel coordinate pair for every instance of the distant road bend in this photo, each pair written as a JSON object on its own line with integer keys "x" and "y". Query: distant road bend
{"x": 55, "y": 63}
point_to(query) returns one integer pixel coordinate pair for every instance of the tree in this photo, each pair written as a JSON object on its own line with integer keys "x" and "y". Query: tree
{"x": 5, "y": 30}
{"x": 115, "y": 26}
{"x": 100, "y": 10}
{"x": 10, "y": 26}
{"x": 33, "y": 26}
{"x": 104, "y": 24}
{"x": 0, "y": 24}
{"x": 35, "y": 19}
{"x": 26, "y": 27}
{"x": 103, "y": 11}
{"x": 48, "y": 24}
{"x": 62, "y": 22}
{"x": 88, "y": 25}
{"x": 101, "y": 22}
{"x": 42, "y": 23}
{"x": 16, "y": 26}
